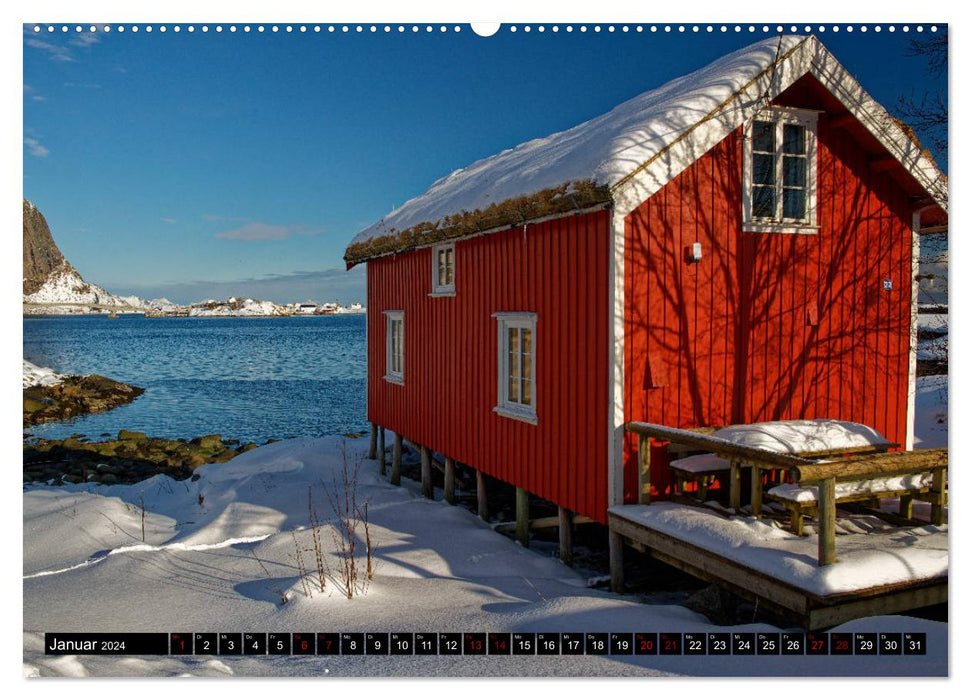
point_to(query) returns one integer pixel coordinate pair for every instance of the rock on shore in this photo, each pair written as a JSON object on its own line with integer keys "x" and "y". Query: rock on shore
{"x": 131, "y": 458}
{"x": 74, "y": 396}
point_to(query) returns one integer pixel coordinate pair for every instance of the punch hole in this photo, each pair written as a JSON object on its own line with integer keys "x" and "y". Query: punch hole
{"x": 485, "y": 29}
{"x": 176, "y": 29}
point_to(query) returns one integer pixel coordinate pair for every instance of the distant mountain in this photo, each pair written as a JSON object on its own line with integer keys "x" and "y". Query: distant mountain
{"x": 52, "y": 284}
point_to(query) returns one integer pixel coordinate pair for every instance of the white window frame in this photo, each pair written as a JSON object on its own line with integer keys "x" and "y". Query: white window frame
{"x": 778, "y": 224}
{"x": 442, "y": 290}
{"x": 390, "y": 374}
{"x": 504, "y": 407}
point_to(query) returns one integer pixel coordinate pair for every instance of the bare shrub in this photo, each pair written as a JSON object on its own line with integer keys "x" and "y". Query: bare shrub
{"x": 350, "y": 518}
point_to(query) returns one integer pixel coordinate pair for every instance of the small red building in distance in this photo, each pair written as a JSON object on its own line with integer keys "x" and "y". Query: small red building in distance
{"x": 738, "y": 245}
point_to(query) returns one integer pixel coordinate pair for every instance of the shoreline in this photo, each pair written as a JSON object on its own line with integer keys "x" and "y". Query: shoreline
{"x": 127, "y": 459}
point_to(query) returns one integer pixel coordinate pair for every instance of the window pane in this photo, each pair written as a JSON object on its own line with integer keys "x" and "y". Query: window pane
{"x": 794, "y": 204}
{"x": 793, "y": 138}
{"x": 763, "y": 137}
{"x": 763, "y": 169}
{"x": 793, "y": 171}
{"x": 763, "y": 202}
{"x": 527, "y": 389}
{"x": 449, "y": 266}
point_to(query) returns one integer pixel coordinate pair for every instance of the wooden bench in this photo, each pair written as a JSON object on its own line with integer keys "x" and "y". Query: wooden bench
{"x": 801, "y": 501}
{"x": 862, "y": 477}
{"x": 701, "y": 469}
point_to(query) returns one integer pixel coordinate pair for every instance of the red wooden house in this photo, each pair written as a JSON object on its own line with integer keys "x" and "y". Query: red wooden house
{"x": 738, "y": 245}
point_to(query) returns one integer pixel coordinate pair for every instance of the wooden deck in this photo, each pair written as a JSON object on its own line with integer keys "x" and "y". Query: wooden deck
{"x": 805, "y": 607}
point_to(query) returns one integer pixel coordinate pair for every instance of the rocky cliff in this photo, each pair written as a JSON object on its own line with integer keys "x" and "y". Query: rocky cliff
{"x": 41, "y": 255}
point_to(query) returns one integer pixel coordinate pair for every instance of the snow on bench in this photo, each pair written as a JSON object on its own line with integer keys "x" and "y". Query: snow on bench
{"x": 854, "y": 490}
{"x": 701, "y": 464}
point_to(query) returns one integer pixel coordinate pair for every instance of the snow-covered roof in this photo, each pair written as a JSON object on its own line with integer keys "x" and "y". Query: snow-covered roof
{"x": 627, "y": 154}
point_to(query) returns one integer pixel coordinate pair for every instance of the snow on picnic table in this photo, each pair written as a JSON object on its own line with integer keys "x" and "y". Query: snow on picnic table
{"x": 798, "y": 436}
{"x": 438, "y": 569}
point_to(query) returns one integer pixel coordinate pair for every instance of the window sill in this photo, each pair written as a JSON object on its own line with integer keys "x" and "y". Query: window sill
{"x": 442, "y": 293}
{"x": 394, "y": 379}
{"x": 772, "y": 227}
{"x": 519, "y": 414}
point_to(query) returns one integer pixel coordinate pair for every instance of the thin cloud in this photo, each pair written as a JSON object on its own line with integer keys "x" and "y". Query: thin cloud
{"x": 35, "y": 148}
{"x": 257, "y": 231}
{"x": 85, "y": 39}
{"x": 54, "y": 51}
{"x": 169, "y": 220}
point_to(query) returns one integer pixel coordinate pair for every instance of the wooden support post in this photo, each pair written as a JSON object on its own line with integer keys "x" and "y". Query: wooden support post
{"x": 795, "y": 520}
{"x": 449, "y": 480}
{"x": 616, "y": 562}
{"x": 373, "y": 448}
{"x": 735, "y": 486}
{"x": 396, "y": 461}
{"x": 826, "y": 514}
{"x": 756, "y": 492}
{"x": 522, "y": 516}
{"x": 939, "y": 495}
{"x": 906, "y": 509}
{"x": 644, "y": 469}
{"x": 566, "y": 535}
{"x": 427, "y": 489}
{"x": 381, "y": 449}
{"x": 483, "y": 497}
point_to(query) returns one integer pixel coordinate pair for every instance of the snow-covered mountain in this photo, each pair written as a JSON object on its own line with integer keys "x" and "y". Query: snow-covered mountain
{"x": 65, "y": 285}
{"x": 236, "y": 307}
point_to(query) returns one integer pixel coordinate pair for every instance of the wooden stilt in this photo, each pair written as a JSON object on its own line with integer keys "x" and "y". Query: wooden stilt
{"x": 381, "y": 448}
{"x": 396, "y": 461}
{"x": 826, "y": 513}
{"x": 480, "y": 492}
{"x": 373, "y": 448}
{"x": 427, "y": 490}
{"x": 566, "y": 535}
{"x": 522, "y": 516}
{"x": 449, "y": 480}
{"x": 616, "y": 562}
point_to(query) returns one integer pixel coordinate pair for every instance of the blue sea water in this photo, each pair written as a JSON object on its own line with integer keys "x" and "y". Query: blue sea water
{"x": 249, "y": 379}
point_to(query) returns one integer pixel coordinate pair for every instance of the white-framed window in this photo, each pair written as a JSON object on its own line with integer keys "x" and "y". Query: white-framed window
{"x": 394, "y": 352}
{"x": 517, "y": 366}
{"x": 443, "y": 270}
{"x": 779, "y": 172}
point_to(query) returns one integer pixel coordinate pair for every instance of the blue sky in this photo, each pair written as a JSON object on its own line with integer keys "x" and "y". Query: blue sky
{"x": 215, "y": 164}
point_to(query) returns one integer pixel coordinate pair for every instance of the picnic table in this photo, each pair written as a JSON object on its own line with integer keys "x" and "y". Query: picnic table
{"x": 805, "y": 439}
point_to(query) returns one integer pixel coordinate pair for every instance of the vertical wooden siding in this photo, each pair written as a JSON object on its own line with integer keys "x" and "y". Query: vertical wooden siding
{"x": 557, "y": 269}
{"x": 768, "y": 326}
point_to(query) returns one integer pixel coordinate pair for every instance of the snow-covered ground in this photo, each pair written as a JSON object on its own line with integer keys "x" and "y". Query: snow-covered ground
{"x": 438, "y": 568}
{"x": 40, "y": 376}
